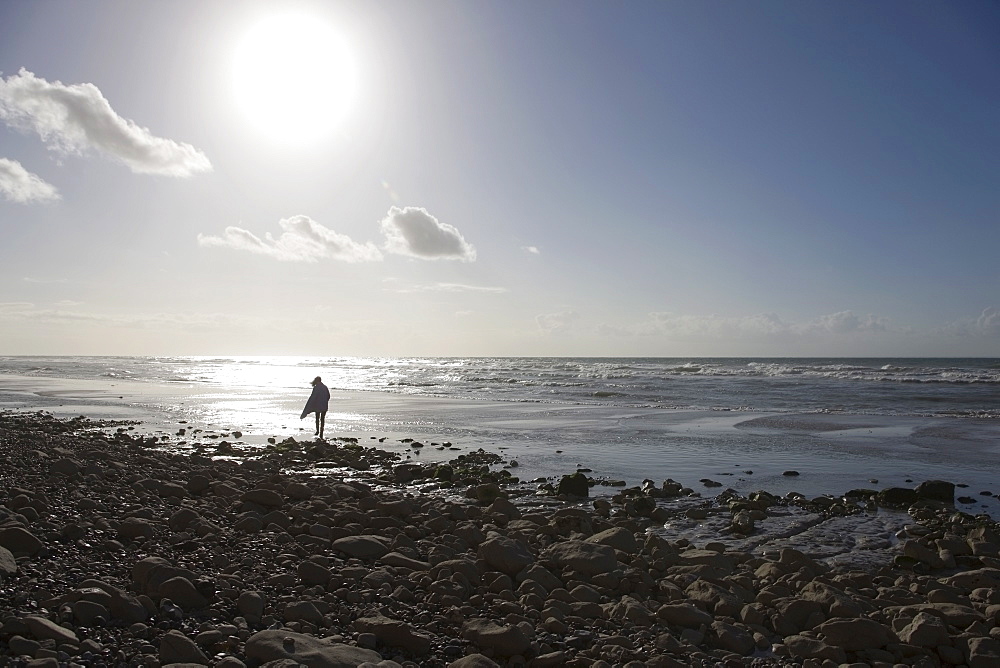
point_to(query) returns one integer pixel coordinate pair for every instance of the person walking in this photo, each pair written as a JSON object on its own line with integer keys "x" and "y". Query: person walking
{"x": 318, "y": 403}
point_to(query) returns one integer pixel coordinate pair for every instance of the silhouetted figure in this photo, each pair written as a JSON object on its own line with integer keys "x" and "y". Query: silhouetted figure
{"x": 318, "y": 403}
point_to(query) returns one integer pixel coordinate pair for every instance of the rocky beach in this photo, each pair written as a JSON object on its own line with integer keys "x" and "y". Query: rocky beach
{"x": 116, "y": 552}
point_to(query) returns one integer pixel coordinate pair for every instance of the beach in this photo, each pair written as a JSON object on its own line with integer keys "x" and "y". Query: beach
{"x": 118, "y": 551}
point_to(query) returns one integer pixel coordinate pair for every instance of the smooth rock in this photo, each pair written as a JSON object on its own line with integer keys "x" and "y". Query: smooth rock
{"x": 175, "y": 647}
{"x": 44, "y": 629}
{"x": 20, "y": 542}
{"x": 856, "y": 634}
{"x": 274, "y": 645}
{"x": 362, "y": 547}
{"x": 501, "y": 640}
{"x": 505, "y": 555}
{"x": 583, "y": 557}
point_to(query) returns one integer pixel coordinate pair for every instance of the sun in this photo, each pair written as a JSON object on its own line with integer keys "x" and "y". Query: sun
{"x": 294, "y": 78}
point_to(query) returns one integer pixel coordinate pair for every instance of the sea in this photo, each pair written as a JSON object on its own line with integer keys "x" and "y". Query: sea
{"x": 813, "y": 426}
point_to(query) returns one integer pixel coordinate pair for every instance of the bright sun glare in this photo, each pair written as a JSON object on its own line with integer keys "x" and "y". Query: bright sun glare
{"x": 294, "y": 77}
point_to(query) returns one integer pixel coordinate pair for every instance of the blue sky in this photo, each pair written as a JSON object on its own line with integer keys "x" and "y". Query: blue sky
{"x": 500, "y": 178}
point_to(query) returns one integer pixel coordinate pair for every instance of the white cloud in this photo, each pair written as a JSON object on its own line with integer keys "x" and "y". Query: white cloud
{"x": 450, "y": 287}
{"x": 531, "y": 249}
{"x": 987, "y": 324}
{"x": 19, "y": 185}
{"x": 555, "y": 323}
{"x": 76, "y": 118}
{"x": 763, "y": 325}
{"x": 303, "y": 240}
{"x": 413, "y": 232}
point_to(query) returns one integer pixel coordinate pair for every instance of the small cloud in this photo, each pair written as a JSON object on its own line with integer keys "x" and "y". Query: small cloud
{"x": 556, "y": 323}
{"x": 531, "y": 249}
{"x": 303, "y": 240}
{"x": 77, "y": 118}
{"x": 19, "y": 185}
{"x": 987, "y": 324}
{"x": 44, "y": 281}
{"x": 450, "y": 287}
{"x": 846, "y": 322}
{"x": 413, "y": 232}
{"x": 762, "y": 325}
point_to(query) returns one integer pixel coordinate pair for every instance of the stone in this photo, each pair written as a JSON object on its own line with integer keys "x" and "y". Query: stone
{"x": 732, "y": 638}
{"x": 312, "y": 573}
{"x": 683, "y": 614}
{"x": 123, "y": 606}
{"x": 44, "y": 629}
{"x": 362, "y": 547}
{"x": 618, "y": 538}
{"x": 8, "y": 566}
{"x": 500, "y": 640}
{"x": 574, "y": 485}
{"x": 263, "y": 497}
{"x": 279, "y": 644}
{"x": 65, "y": 466}
{"x": 583, "y": 557}
{"x": 250, "y": 605}
{"x": 981, "y": 652}
{"x": 183, "y": 518}
{"x": 175, "y": 647}
{"x": 937, "y": 490}
{"x": 20, "y": 542}
{"x": 87, "y": 612}
{"x": 182, "y": 591}
{"x": 402, "y": 561}
{"x": 303, "y": 611}
{"x": 811, "y": 648}
{"x": 896, "y": 497}
{"x": 505, "y": 555}
{"x": 855, "y": 634}
{"x": 394, "y": 633}
{"x": 475, "y": 661}
{"x": 135, "y": 527}
{"x": 925, "y": 630}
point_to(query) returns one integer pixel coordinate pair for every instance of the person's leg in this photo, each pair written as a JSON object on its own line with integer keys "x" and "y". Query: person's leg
{"x": 322, "y": 422}
{"x": 317, "y": 422}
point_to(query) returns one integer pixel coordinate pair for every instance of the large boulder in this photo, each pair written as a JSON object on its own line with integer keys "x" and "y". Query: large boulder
{"x": 175, "y": 647}
{"x": 574, "y": 485}
{"x": 278, "y": 644}
{"x": 362, "y": 547}
{"x": 617, "y": 537}
{"x": 500, "y": 640}
{"x": 583, "y": 557}
{"x": 937, "y": 490}
{"x": 20, "y": 542}
{"x": 856, "y": 634}
{"x": 394, "y": 633}
{"x": 505, "y": 555}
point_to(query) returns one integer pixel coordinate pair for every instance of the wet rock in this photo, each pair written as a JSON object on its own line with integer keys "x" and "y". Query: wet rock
{"x": 936, "y": 490}
{"x": 574, "y": 485}
{"x": 896, "y": 497}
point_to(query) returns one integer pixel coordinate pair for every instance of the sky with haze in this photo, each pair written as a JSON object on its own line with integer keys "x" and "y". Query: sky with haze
{"x": 578, "y": 178}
